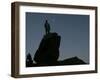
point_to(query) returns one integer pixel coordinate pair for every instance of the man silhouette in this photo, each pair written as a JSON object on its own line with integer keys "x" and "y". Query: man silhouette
{"x": 47, "y": 27}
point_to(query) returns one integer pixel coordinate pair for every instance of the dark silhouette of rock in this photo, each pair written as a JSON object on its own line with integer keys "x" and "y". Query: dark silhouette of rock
{"x": 48, "y": 51}
{"x": 71, "y": 61}
{"x": 29, "y": 61}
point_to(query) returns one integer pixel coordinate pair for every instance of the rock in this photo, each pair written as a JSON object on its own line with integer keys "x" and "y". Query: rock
{"x": 71, "y": 61}
{"x": 48, "y": 51}
{"x": 29, "y": 61}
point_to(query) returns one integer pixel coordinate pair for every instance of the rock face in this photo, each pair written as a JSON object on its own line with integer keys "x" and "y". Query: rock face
{"x": 48, "y": 51}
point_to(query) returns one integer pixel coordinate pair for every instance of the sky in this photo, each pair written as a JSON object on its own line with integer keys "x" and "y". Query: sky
{"x": 73, "y": 29}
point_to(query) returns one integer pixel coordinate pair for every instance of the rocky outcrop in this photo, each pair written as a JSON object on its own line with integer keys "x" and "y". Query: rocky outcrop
{"x": 48, "y": 51}
{"x": 71, "y": 61}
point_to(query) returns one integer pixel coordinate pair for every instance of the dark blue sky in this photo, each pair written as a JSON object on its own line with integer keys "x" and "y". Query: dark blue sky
{"x": 73, "y": 29}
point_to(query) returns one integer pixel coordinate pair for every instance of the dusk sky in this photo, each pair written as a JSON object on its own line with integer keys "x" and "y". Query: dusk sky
{"x": 73, "y": 29}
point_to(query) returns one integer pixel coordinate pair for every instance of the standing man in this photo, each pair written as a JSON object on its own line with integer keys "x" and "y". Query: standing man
{"x": 47, "y": 27}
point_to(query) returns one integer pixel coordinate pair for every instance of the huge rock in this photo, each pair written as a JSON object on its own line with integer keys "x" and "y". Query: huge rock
{"x": 48, "y": 50}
